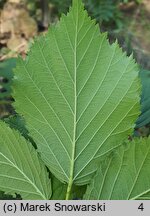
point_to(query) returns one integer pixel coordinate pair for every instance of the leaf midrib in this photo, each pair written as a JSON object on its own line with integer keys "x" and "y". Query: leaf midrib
{"x": 71, "y": 177}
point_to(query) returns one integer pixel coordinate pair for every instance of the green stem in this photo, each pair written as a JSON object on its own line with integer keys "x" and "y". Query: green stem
{"x": 69, "y": 190}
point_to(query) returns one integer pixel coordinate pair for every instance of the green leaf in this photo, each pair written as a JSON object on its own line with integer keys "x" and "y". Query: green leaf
{"x": 78, "y": 192}
{"x": 144, "y": 118}
{"x": 145, "y": 196}
{"x": 17, "y": 123}
{"x": 58, "y": 189}
{"x": 21, "y": 170}
{"x": 6, "y": 75}
{"x": 78, "y": 95}
{"x": 124, "y": 175}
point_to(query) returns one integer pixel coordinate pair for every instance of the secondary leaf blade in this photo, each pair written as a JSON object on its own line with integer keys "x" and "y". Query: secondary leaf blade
{"x": 21, "y": 171}
{"x": 58, "y": 189}
{"x": 78, "y": 96}
{"x": 144, "y": 118}
{"x": 125, "y": 175}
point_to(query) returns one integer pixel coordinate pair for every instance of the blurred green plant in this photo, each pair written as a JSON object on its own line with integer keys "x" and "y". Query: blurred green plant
{"x": 2, "y": 2}
{"x": 102, "y": 10}
{"x": 136, "y": 1}
{"x": 6, "y": 75}
{"x": 105, "y": 11}
{"x": 144, "y": 118}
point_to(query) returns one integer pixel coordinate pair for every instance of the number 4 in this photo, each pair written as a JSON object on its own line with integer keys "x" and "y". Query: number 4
{"x": 141, "y": 207}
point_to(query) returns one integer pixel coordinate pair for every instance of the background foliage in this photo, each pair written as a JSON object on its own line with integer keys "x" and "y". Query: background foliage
{"x": 126, "y": 20}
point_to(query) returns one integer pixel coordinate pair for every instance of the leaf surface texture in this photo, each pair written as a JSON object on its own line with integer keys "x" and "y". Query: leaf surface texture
{"x": 21, "y": 171}
{"x": 78, "y": 95}
{"x": 124, "y": 175}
